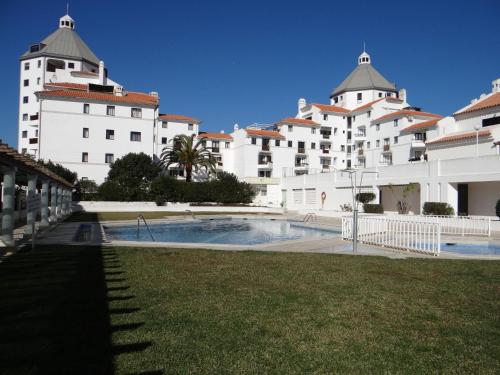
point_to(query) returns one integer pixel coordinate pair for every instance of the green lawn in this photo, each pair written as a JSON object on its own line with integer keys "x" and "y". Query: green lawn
{"x": 71, "y": 310}
{"x": 109, "y": 216}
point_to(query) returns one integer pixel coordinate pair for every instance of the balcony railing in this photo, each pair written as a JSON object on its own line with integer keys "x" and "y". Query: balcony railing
{"x": 265, "y": 148}
{"x": 34, "y": 117}
{"x": 325, "y": 136}
{"x": 325, "y": 151}
{"x": 301, "y": 150}
{"x": 33, "y": 141}
{"x": 387, "y": 148}
{"x": 361, "y": 152}
{"x": 215, "y": 149}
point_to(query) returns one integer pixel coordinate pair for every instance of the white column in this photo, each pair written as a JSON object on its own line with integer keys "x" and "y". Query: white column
{"x": 44, "y": 205}
{"x": 31, "y": 213}
{"x": 9, "y": 187}
{"x": 59, "y": 203}
{"x": 53, "y": 203}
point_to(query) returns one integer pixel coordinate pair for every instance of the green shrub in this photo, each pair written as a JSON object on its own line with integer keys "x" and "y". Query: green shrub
{"x": 498, "y": 208}
{"x": 373, "y": 208}
{"x": 365, "y": 197}
{"x": 438, "y": 208}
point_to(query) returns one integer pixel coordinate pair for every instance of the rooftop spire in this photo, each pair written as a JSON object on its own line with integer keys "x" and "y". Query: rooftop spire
{"x": 66, "y": 21}
{"x": 364, "y": 58}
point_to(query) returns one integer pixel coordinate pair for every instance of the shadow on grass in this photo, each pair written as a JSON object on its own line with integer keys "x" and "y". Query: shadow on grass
{"x": 54, "y": 312}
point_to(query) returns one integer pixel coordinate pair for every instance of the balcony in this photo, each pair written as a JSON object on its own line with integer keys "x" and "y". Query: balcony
{"x": 325, "y": 150}
{"x": 263, "y": 180}
{"x": 265, "y": 165}
{"x": 326, "y": 136}
{"x": 266, "y": 148}
{"x": 34, "y": 117}
{"x": 301, "y": 150}
{"x": 360, "y": 136}
{"x": 215, "y": 150}
{"x": 361, "y": 153}
{"x": 325, "y": 168}
{"x": 301, "y": 166}
{"x": 418, "y": 144}
{"x": 33, "y": 141}
{"x": 387, "y": 148}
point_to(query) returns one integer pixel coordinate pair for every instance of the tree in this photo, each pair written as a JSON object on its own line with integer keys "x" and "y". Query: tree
{"x": 365, "y": 197}
{"x": 129, "y": 178}
{"x": 189, "y": 155}
{"x": 85, "y": 190}
{"x": 61, "y": 171}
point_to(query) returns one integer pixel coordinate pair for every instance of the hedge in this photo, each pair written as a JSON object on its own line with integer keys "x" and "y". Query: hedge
{"x": 373, "y": 208}
{"x": 438, "y": 208}
{"x": 365, "y": 197}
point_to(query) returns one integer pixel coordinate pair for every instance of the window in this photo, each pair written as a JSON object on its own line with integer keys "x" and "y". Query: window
{"x": 39, "y": 63}
{"x": 290, "y": 128}
{"x": 85, "y": 157}
{"x": 277, "y": 142}
{"x": 109, "y": 158}
{"x": 325, "y": 117}
{"x": 86, "y": 108}
{"x": 254, "y": 140}
{"x": 313, "y": 130}
{"x": 396, "y": 140}
{"x": 85, "y": 132}
{"x": 336, "y": 99}
{"x": 71, "y": 65}
{"x": 26, "y": 82}
{"x": 377, "y": 127}
{"x": 25, "y": 134}
{"x": 290, "y": 144}
{"x": 360, "y": 96}
{"x": 110, "y": 134}
{"x": 379, "y": 94}
{"x": 163, "y": 140}
{"x": 110, "y": 110}
{"x": 25, "y": 117}
{"x": 26, "y": 66}
{"x": 377, "y": 143}
{"x": 264, "y": 174}
{"x": 136, "y": 112}
{"x": 313, "y": 146}
{"x": 395, "y": 122}
{"x": 369, "y": 114}
{"x": 38, "y": 81}
{"x": 190, "y": 126}
{"x": 368, "y": 144}
{"x": 491, "y": 121}
{"x": 227, "y": 145}
{"x": 36, "y": 133}
{"x": 25, "y": 99}
{"x": 135, "y": 136}
{"x": 335, "y": 131}
{"x": 342, "y": 148}
{"x": 24, "y": 150}
{"x": 164, "y": 124}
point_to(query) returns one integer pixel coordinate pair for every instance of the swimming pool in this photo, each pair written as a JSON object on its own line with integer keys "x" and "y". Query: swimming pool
{"x": 220, "y": 231}
{"x": 471, "y": 249}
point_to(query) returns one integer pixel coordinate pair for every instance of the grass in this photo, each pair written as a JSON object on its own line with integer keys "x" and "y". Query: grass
{"x": 158, "y": 311}
{"x": 110, "y": 216}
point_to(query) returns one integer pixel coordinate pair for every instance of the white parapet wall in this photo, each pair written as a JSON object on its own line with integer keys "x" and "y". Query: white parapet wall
{"x": 98, "y": 206}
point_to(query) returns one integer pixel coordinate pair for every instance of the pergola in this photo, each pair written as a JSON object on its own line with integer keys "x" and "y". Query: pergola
{"x": 22, "y": 170}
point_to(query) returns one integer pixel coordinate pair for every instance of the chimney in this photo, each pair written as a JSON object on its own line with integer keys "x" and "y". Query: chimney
{"x": 154, "y": 93}
{"x": 482, "y": 96}
{"x": 236, "y": 127}
{"x": 402, "y": 95}
{"x": 102, "y": 78}
{"x": 301, "y": 104}
{"x": 495, "y": 85}
{"x": 119, "y": 90}
{"x": 222, "y": 131}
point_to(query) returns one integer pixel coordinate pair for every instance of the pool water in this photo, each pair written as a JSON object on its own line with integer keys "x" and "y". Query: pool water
{"x": 471, "y": 249}
{"x": 220, "y": 231}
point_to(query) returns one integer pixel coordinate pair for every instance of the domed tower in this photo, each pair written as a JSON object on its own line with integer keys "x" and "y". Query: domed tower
{"x": 364, "y": 84}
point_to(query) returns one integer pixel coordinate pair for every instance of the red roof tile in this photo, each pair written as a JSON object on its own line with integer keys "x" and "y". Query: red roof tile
{"x": 216, "y": 136}
{"x": 489, "y": 102}
{"x": 179, "y": 118}
{"x": 407, "y": 112}
{"x": 264, "y": 133}
{"x": 298, "y": 121}
{"x": 128, "y": 98}
{"x": 330, "y": 108}
{"x": 421, "y": 125}
{"x": 459, "y": 137}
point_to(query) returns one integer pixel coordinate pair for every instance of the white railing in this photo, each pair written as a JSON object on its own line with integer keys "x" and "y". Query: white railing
{"x": 418, "y": 236}
{"x": 455, "y": 225}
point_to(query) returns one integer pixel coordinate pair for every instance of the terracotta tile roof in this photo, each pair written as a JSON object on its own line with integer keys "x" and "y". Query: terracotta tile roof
{"x": 368, "y": 105}
{"x": 10, "y": 156}
{"x": 216, "y": 136}
{"x": 264, "y": 133}
{"x": 489, "y": 102}
{"x": 421, "y": 125}
{"x": 67, "y": 85}
{"x": 298, "y": 121}
{"x": 129, "y": 97}
{"x": 407, "y": 112}
{"x": 459, "y": 137}
{"x": 179, "y": 118}
{"x": 330, "y": 108}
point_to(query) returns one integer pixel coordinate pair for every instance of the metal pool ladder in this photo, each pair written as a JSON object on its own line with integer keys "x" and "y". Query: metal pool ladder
{"x": 191, "y": 213}
{"x": 139, "y": 217}
{"x": 310, "y": 218}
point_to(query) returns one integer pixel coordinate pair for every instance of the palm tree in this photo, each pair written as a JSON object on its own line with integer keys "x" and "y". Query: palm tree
{"x": 188, "y": 154}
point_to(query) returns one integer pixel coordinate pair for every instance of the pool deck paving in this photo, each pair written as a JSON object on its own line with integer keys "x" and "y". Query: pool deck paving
{"x": 65, "y": 233}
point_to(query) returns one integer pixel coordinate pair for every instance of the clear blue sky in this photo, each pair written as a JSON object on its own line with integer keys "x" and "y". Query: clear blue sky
{"x": 249, "y": 61}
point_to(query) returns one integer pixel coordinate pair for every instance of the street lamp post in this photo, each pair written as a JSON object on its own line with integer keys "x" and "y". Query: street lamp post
{"x": 477, "y": 126}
